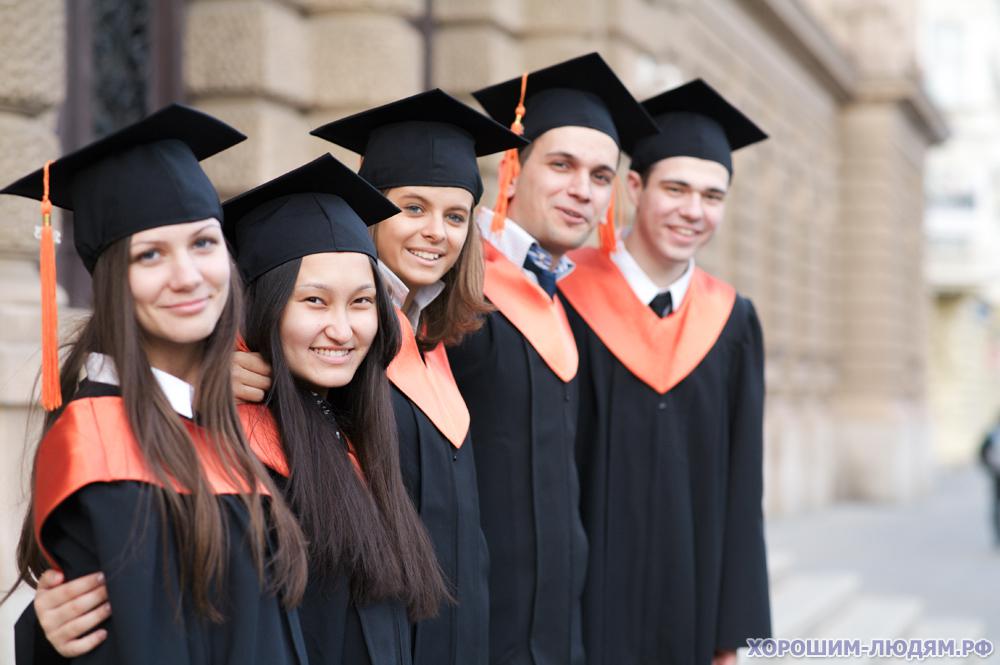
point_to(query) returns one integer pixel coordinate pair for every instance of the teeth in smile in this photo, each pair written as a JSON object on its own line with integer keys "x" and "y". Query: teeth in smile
{"x": 429, "y": 256}
{"x": 684, "y": 232}
{"x": 331, "y": 353}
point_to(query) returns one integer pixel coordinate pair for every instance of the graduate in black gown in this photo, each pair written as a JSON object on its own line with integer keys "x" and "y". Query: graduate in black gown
{"x": 421, "y": 152}
{"x": 144, "y": 473}
{"x": 671, "y": 407}
{"x": 322, "y": 318}
{"x": 518, "y": 372}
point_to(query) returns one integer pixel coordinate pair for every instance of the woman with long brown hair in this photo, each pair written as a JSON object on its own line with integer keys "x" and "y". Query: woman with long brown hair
{"x": 145, "y": 473}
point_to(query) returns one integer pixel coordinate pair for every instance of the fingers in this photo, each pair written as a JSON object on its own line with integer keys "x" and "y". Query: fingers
{"x": 252, "y": 362}
{"x": 75, "y": 637}
{"x": 83, "y": 645}
{"x": 69, "y": 611}
{"x": 52, "y": 592}
{"x": 54, "y": 619}
{"x": 251, "y": 377}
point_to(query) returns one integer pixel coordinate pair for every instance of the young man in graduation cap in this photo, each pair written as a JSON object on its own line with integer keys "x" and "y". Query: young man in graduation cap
{"x": 670, "y": 430}
{"x": 517, "y": 373}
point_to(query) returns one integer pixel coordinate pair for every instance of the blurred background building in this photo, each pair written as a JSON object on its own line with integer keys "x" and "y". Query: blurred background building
{"x": 961, "y": 63}
{"x": 882, "y": 340}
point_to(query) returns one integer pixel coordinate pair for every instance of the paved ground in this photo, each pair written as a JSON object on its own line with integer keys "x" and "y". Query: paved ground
{"x": 938, "y": 547}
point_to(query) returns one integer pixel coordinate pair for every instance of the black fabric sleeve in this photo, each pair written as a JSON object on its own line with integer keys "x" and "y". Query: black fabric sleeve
{"x": 744, "y": 607}
{"x": 30, "y": 645}
{"x": 116, "y": 528}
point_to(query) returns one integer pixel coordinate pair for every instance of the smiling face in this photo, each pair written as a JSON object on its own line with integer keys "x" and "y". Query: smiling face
{"x": 422, "y": 242}
{"x": 179, "y": 279}
{"x": 565, "y": 186}
{"x": 677, "y": 211}
{"x": 330, "y": 319}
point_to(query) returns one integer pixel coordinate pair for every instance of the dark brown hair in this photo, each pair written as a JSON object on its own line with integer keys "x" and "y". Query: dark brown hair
{"x": 196, "y": 516}
{"x": 372, "y": 533}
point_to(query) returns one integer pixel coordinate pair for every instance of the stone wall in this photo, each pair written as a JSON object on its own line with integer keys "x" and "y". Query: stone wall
{"x": 32, "y": 84}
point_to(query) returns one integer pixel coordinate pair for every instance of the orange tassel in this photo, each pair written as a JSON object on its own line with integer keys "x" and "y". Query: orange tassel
{"x": 606, "y": 232}
{"x": 51, "y": 391}
{"x": 510, "y": 165}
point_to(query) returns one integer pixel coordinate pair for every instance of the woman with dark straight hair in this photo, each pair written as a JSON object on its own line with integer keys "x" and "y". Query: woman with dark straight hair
{"x": 319, "y": 315}
{"x": 421, "y": 152}
{"x": 145, "y": 473}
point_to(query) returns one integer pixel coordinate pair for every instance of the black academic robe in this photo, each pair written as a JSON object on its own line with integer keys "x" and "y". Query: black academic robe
{"x": 337, "y": 631}
{"x": 96, "y": 512}
{"x": 670, "y": 457}
{"x": 439, "y": 471}
{"x": 517, "y": 376}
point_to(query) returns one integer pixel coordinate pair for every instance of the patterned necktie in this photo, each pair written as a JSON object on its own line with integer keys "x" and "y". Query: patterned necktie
{"x": 546, "y": 278}
{"x": 662, "y": 304}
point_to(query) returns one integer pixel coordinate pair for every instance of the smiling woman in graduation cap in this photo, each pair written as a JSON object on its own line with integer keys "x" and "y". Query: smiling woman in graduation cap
{"x": 421, "y": 152}
{"x": 145, "y": 473}
{"x": 319, "y": 314}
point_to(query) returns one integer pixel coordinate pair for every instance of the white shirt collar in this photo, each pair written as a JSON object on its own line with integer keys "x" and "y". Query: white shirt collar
{"x": 513, "y": 242}
{"x": 101, "y": 369}
{"x": 643, "y": 286}
{"x": 398, "y": 291}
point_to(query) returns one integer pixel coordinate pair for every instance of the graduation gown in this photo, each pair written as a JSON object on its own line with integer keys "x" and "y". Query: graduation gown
{"x": 670, "y": 458}
{"x": 337, "y": 631}
{"x": 440, "y": 474}
{"x": 95, "y": 511}
{"x": 517, "y": 375}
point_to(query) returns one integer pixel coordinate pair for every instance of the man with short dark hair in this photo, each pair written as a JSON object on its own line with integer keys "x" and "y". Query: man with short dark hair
{"x": 671, "y": 407}
{"x": 518, "y": 373}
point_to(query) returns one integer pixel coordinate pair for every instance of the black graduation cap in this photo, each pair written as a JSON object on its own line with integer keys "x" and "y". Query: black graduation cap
{"x": 430, "y": 138}
{"x": 582, "y": 92}
{"x": 322, "y": 206}
{"x": 140, "y": 177}
{"x": 694, "y": 121}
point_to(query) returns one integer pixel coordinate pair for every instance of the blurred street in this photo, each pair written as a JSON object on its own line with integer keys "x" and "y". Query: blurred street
{"x": 927, "y": 568}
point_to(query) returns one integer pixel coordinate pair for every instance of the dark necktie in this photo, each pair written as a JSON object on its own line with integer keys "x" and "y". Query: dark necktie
{"x": 546, "y": 278}
{"x": 662, "y": 304}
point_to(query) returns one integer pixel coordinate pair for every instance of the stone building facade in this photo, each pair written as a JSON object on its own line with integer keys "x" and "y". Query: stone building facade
{"x": 824, "y": 226}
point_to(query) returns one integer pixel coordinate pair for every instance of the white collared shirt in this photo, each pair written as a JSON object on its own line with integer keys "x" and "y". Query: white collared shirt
{"x": 398, "y": 291}
{"x": 514, "y": 242}
{"x": 101, "y": 369}
{"x": 643, "y": 287}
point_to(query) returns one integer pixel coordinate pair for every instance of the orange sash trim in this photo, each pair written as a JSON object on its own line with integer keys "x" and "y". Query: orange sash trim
{"x": 542, "y": 320}
{"x": 429, "y": 383}
{"x": 262, "y": 434}
{"x": 92, "y": 442}
{"x": 660, "y": 352}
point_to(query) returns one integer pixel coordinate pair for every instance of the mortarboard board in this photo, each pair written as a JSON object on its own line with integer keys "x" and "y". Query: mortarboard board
{"x": 430, "y": 138}
{"x": 140, "y": 177}
{"x": 582, "y": 92}
{"x": 694, "y": 121}
{"x": 322, "y": 206}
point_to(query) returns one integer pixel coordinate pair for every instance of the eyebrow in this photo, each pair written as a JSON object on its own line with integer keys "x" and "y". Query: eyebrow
{"x": 157, "y": 241}
{"x": 326, "y": 287}
{"x": 682, "y": 183}
{"x": 417, "y": 197}
{"x": 569, "y": 155}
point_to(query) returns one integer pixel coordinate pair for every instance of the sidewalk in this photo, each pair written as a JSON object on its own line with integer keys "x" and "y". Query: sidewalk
{"x": 937, "y": 548}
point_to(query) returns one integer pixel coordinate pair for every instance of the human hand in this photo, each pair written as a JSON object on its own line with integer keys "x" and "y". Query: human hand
{"x": 68, "y": 612}
{"x": 251, "y": 376}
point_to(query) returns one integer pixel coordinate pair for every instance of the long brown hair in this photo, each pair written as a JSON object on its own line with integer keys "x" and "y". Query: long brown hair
{"x": 196, "y": 516}
{"x": 458, "y": 311}
{"x": 372, "y": 533}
